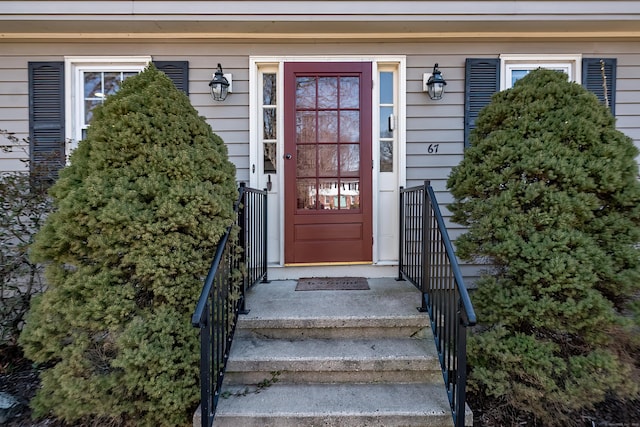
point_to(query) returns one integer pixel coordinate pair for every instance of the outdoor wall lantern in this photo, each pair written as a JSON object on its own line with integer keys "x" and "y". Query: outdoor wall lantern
{"x": 220, "y": 85}
{"x": 434, "y": 83}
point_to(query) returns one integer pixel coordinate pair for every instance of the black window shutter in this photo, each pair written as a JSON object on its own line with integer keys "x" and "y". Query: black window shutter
{"x": 482, "y": 80}
{"x": 592, "y": 79}
{"x": 46, "y": 119}
{"x": 177, "y": 71}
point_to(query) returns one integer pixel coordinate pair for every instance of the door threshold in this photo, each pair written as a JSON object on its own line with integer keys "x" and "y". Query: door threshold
{"x": 324, "y": 264}
{"x": 297, "y": 271}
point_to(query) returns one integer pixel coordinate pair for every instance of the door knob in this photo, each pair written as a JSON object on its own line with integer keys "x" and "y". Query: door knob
{"x": 288, "y": 156}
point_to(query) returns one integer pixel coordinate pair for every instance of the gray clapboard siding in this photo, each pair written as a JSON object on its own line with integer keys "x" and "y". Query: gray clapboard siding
{"x": 428, "y": 122}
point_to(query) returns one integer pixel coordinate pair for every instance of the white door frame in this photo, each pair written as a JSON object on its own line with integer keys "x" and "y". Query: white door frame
{"x": 256, "y": 175}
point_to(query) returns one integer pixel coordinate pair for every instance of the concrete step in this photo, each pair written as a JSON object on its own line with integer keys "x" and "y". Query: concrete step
{"x": 401, "y": 360}
{"x": 387, "y": 310}
{"x": 344, "y": 405}
{"x": 333, "y": 358}
{"x": 337, "y": 327}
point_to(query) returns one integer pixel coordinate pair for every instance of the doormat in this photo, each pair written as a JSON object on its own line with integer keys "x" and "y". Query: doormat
{"x": 332, "y": 284}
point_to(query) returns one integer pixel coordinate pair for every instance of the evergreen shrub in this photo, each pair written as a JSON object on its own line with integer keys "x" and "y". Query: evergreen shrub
{"x": 549, "y": 192}
{"x": 139, "y": 211}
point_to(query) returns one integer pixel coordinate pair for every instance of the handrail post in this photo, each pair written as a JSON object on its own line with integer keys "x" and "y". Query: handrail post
{"x": 461, "y": 379}
{"x": 205, "y": 369}
{"x": 401, "y": 235}
{"x": 265, "y": 241}
{"x": 426, "y": 245}
{"x": 242, "y": 242}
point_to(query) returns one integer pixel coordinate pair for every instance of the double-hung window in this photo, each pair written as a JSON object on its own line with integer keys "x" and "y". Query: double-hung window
{"x": 89, "y": 82}
{"x": 63, "y": 95}
{"x": 486, "y": 76}
{"x": 514, "y": 67}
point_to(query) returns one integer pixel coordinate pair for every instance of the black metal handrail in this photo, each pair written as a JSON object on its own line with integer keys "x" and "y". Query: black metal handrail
{"x": 237, "y": 265}
{"x": 427, "y": 259}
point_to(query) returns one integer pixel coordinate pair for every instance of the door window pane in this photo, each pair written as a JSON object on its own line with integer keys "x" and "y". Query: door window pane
{"x": 305, "y": 126}
{"x": 387, "y": 119}
{"x": 327, "y": 126}
{"x": 349, "y": 126}
{"x": 386, "y": 156}
{"x": 351, "y": 192}
{"x": 305, "y": 92}
{"x": 327, "y": 92}
{"x": 269, "y": 154}
{"x": 385, "y": 128}
{"x": 269, "y": 84}
{"x": 269, "y": 125}
{"x": 349, "y": 160}
{"x": 328, "y": 160}
{"x": 349, "y": 92}
{"x": 306, "y": 160}
{"x": 306, "y": 194}
{"x": 328, "y": 193}
{"x": 386, "y": 87}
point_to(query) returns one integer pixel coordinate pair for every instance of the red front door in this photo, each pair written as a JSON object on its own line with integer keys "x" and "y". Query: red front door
{"x": 328, "y": 164}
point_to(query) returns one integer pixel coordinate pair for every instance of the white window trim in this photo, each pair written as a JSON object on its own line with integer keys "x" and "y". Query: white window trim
{"x": 255, "y": 154}
{"x": 73, "y": 67}
{"x": 571, "y": 62}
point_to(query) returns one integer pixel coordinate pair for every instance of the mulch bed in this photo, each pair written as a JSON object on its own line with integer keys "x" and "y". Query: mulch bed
{"x": 610, "y": 413}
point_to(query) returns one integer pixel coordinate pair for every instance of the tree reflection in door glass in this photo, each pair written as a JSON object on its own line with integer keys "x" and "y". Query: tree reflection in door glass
{"x": 305, "y": 126}
{"x": 386, "y": 156}
{"x": 327, "y": 126}
{"x": 327, "y": 92}
{"x": 328, "y": 160}
{"x": 269, "y": 123}
{"x": 306, "y": 160}
{"x": 269, "y": 85}
{"x": 306, "y": 194}
{"x": 305, "y": 92}
{"x": 349, "y": 160}
{"x": 349, "y": 92}
{"x": 349, "y": 126}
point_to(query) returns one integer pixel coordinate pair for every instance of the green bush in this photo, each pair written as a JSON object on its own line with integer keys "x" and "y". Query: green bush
{"x": 550, "y": 196}
{"x": 139, "y": 210}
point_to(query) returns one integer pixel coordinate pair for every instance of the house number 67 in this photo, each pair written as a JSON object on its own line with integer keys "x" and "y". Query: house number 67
{"x": 433, "y": 148}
